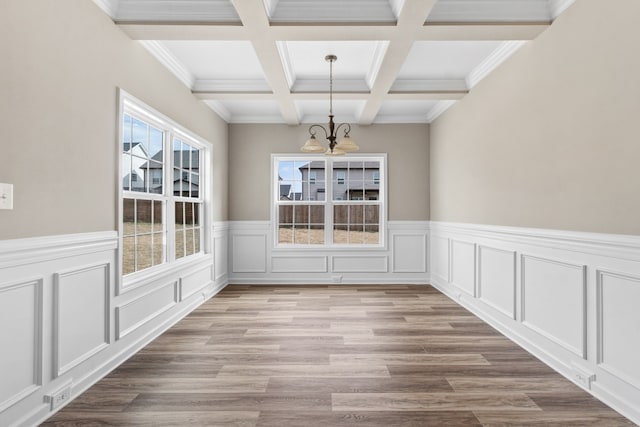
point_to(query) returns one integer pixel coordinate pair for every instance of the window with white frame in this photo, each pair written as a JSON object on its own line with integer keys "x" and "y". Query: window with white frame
{"x": 325, "y": 201}
{"x": 162, "y": 199}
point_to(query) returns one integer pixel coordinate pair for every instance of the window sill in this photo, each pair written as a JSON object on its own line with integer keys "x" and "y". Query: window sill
{"x": 159, "y": 272}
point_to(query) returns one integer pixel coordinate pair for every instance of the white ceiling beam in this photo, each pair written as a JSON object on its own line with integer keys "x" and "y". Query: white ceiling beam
{"x": 410, "y": 20}
{"x": 324, "y": 96}
{"x": 183, "y": 31}
{"x": 435, "y": 32}
{"x": 254, "y": 18}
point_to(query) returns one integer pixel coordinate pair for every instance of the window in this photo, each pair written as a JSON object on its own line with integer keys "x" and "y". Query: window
{"x": 160, "y": 223}
{"x": 353, "y": 214}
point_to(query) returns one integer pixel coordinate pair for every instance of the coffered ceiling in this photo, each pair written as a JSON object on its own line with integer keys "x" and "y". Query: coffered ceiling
{"x": 399, "y": 61}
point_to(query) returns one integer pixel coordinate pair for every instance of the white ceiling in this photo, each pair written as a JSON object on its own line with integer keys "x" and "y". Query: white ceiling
{"x": 399, "y": 61}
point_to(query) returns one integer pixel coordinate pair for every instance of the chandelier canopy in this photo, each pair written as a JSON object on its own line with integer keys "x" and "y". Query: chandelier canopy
{"x": 346, "y": 144}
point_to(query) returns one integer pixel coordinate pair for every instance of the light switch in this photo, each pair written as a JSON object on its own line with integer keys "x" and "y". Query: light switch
{"x": 6, "y": 196}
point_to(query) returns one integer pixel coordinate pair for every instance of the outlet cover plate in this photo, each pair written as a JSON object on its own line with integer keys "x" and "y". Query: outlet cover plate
{"x": 6, "y": 196}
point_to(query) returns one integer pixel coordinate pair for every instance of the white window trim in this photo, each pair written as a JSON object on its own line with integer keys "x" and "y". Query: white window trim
{"x": 274, "y": 199}
{"x": 128, "y": 104}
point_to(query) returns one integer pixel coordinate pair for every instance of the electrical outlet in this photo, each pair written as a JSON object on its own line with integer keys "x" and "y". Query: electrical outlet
{"x": 6, "y": 196}
{"x": 60, "y": 397}
{"x": 336, "y": 278}
{"x": 582, "y": 377}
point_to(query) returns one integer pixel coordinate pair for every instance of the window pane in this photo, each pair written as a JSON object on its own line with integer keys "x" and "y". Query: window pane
{"x": 356, "y": 237}
{"x": 316, "y": 234}
{"x": 196, "y": 214}
{"x": 188, "y": 215}
{"x": 177, "y": 153}
{"x": 285, "y": 233}
{"x": 179, "y": 243}
{"x": 126, "y": 172}
{"x": 158, "y": 219}
{"x": 155, "y": 144}
{"x": 285, "y": 214}
{"x": 301, "y": 215}
{"x": 128, "y": 255}
{"x": 179, "y": 215}
{"x": 189, "y": 246}
{"x": 158, "y": 249}
{"x": 141, "y": 135}
{"x": 194, "y": 185}
{"x": 372, "y": 234}
{"x": 128, "y": 216}
{"x": 126, "y": 132}
{"x": 197, "y": 234}
{"x": 300, "y": 235}
{"x": 356, "y": 214}
{"x": 340, "y": 234}
{"x": 143, "y": 216}
{"x": 341, "y": 214}
{"x": 143, "y": 251}
{"x": 154, "y": 170}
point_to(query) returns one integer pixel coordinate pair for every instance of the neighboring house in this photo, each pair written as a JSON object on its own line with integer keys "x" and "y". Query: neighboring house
{"x": 285, "y": 191}
{"x": 186, "y": 177}
{"x": 137, "y": 154}
{"x": 351, "y": 181}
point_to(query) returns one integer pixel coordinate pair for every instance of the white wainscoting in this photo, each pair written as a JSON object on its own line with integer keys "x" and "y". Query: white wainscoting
{"x": 569, "y": 298}
{"x": 254, "y": 260}
{"x": 63, "y": 320}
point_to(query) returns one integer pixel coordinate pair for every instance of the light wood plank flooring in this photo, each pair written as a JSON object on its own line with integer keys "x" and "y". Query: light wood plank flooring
{"x": 334, "y": 356}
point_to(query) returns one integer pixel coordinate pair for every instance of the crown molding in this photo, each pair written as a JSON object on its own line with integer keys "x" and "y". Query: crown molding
{"x": 497, "y": 57}
{"x": 322, "y": 85}
{"x": 556, "y": 7}
{"x": 110, "y": 7}
{"x": 219, "y": 109}
{"x": 232, "y": 85}
{"x": 167, "y": 59}
{"x": 429, "y": 85}
{"x": 438, "y": 109}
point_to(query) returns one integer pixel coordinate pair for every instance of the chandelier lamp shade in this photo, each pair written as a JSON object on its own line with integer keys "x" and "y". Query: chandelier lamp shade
{"x": 346, "y": 144}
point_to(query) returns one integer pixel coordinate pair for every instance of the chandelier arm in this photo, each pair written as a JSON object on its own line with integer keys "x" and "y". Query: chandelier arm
{"x": 312, "y": 133}
{"x": 347, "y": 130}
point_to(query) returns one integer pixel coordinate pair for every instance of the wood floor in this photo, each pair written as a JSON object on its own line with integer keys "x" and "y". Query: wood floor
{"x": 334, "y": 356}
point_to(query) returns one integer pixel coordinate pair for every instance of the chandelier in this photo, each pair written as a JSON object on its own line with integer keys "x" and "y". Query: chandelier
{"x": 346, "y": 144}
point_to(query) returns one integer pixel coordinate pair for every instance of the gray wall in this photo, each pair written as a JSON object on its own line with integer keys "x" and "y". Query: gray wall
{"x": 550, "y": 139}
{"x": 250, "y": 148}
{"x": 61, "y": 64}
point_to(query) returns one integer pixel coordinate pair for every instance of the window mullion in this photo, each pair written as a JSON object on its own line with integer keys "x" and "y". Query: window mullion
{"x": 170, "y": 209}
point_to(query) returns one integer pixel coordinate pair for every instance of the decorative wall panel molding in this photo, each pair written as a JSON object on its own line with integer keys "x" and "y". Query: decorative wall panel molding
{"x": 497, "y": 279}
{"x": 194, "y": 281}
{"x": 618, "y": 319}
{"x": 359, "y": 264}
{"x": 21, "y": 337}
{"x": 409, "y": 252}
{"x": 69, "y": 284}
{"x": 569, "y": 298}
{"x": 440, "y": 257}
{"x": 249, "y": 253}
{"x": 254, "y": 259}
{"x": 80, "y": 294}
{"x": 299, "y": 264}
{"x": 463, "y": 266}
{"x": 135, "y": 313}
{"x": 552, "y": 286}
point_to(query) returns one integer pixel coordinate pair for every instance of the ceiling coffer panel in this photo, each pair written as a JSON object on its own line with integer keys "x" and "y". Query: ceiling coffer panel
{"x": 205, "y": 11}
